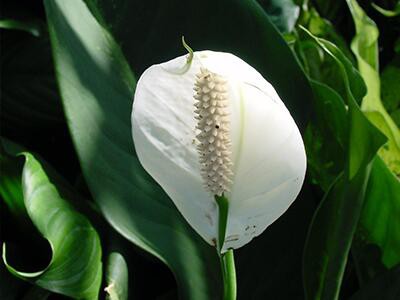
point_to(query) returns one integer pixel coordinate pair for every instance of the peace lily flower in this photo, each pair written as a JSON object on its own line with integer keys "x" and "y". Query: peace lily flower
{"x": 209, "y": 124}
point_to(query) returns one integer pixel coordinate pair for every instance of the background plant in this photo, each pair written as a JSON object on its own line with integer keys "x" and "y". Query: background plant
{"x": 69, "y": 70}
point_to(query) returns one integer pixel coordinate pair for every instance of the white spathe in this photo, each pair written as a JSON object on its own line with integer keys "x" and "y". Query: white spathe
{"x": 268, "y": 155}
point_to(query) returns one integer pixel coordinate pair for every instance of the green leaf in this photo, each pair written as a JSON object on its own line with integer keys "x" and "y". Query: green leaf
{"x": 97, "y": 89}
{"x": 282, "y": 13}
{"x": 323, "y": 28}
{"x": 379, "y": 223}
{"x": 386, "y": 12}
{"x": 34, "y": 27}
{"x": 10, "y": 185}
{"x": 324, "y": 148}
{"x": 335, "y": 221}
{"x": 75, "y": 268}
{"x": 325, "y": 137}
{"x": 152, "y": 38}
{"x": 360, "y": 130}
{"x": 320, "y": 66}
{"x": 365, "y": 48}
{"x": 116, "y": 277}
{"x": 329, "y": 239}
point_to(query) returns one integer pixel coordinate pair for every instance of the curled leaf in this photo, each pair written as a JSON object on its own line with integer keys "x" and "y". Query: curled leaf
{"x": 75, "y": 268}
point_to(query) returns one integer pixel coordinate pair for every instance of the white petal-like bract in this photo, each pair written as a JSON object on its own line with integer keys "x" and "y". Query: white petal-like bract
{"x": 266, "y": 148}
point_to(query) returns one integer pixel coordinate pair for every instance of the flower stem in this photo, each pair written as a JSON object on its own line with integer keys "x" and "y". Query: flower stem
{"x": 223, "y": 206}
{"x": 226, "y": 259}
{"x": 228, "y": 274}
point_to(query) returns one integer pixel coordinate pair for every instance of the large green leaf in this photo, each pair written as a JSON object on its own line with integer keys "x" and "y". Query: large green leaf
{"x": 98, "y": 101}
{"x": 239, "y": 27}
{"x": 380, "y": 222}
{"x": 75, "y": 268}
{"x": 335, "y": 222}
{"x": 97, "y": 89}
{"x": 325, "y": 137}
{"x": 365, "y": 48}
{"x": 325, "y": 147}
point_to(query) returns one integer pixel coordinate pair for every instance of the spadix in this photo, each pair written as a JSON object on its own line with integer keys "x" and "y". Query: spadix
{"x": 211, "y": 126}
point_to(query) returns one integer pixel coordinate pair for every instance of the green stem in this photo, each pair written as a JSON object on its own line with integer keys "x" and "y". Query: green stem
{"x": 223, "y": 206}
{"x": 228, "y": 274}
{"x": 227, "y": 260}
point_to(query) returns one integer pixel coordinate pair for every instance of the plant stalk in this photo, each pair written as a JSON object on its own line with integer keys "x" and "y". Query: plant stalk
{"x": 228, "y": 275}
{"x": 226, "y": 259}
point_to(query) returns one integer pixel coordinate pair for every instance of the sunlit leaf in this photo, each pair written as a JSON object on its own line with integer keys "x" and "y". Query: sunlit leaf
{"x": 379, "y": 223}
{"x": 323, "y": 28}
{"x": 378, "y": 220}
{"x": 386, "y": 12}
{"x": 335, "y": 221}
{"x": 258, "y": 43}
{"x": 365, "y": 48}
{"x": 97, "y": 89}
{"x": 75, "y": 268}
{"x": 97, "y": 92}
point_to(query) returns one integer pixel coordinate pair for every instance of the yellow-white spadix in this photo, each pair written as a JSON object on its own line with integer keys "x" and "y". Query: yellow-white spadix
{"x": 211, "y": 126}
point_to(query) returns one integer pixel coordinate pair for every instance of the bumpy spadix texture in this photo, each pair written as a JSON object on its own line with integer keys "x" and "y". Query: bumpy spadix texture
{"x": 233, "y": 124}
{"x": 213, "y": 123}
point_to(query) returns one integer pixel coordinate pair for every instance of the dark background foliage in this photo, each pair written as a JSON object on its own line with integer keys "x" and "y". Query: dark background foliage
{"x": 33, "y": 116}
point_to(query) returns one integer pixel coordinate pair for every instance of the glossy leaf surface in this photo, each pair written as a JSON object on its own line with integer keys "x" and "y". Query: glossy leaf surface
{"x": 98, "y": 98}
{"x": 97, "y": 89}
{"x": 365, "y": 48}
{"x": 75, "y": 268}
